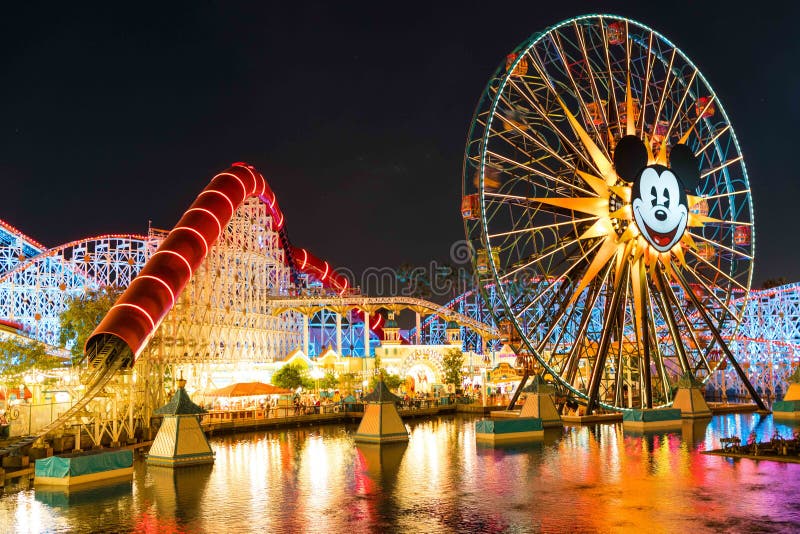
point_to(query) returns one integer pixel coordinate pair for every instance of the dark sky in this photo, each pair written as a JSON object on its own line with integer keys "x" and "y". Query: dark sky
{"x": 356, "y": 115}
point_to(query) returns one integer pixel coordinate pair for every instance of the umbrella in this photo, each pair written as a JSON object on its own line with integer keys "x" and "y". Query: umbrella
{"x": 245, "y": 389}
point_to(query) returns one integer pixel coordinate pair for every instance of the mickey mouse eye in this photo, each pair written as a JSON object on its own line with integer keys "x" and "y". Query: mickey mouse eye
{"x": 666, "y": 197}
{"x": 654, "y": 194}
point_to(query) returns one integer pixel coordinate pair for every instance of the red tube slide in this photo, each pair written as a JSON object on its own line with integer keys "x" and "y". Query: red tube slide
{"x": 144, "y": 304}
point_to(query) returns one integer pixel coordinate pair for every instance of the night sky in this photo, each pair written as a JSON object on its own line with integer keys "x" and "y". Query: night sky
{"x": 358, "y": 115}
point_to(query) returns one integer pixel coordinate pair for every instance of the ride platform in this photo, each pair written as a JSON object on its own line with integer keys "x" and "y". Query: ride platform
{"x": 690, "y": 401}
{"x": 718, "y": 408}
{"x": 592, "y": 418}
{"x": 82, "y": 468}
{"x": 789, "y": 407}
{"x": 786, "y": 409}
{"x": 509, "y": 430}
{"x": 652, "y": 419}
{"x": 778, "y": 449}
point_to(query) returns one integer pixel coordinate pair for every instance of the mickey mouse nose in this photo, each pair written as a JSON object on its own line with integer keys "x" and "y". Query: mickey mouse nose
{"x": 661, "y": 215}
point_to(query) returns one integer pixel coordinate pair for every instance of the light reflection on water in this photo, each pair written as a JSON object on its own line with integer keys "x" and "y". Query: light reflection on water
{"x": 579, "y": 479}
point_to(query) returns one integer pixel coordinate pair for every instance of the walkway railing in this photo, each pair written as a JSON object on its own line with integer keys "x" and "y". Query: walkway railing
{"x": 288, "y": 412}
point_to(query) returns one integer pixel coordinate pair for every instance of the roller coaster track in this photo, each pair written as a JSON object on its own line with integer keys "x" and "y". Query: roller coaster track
{"x": 313, "y": 303}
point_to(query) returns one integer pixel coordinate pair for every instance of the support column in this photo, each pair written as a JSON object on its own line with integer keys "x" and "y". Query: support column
{"x": 419, "y": 329}
{"x": 305, "y": 334}
{"x": 483, "y": 385}
{"x": 630, "y": 385}
{"x": 339, "y": 334}
{"x": 366, "y": 334}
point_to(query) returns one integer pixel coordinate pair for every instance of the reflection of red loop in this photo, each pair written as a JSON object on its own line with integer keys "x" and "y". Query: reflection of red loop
{"x": 14, "y": 414}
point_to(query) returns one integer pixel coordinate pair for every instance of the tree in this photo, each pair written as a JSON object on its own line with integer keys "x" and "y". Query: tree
{"x": 329, "y": 381}
{"x": 20, "y": 357}
{"x": 391, "y": 381}
{"x": 84, "y": 312}
{"x": 774, "y": 282}
{"x": 346, "y": 382}
{"x": 452, "y": 361}
{"x": 292, "y": 376}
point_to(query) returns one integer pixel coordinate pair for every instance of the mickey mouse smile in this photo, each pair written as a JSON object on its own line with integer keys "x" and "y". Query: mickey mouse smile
{"x": 661, "y": 239}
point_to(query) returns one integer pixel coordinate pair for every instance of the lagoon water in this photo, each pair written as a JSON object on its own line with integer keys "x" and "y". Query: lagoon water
{"x": 597, "y": 478}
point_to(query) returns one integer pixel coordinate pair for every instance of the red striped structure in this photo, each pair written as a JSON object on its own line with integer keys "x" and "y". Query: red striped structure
{"x": 151, "y": 295}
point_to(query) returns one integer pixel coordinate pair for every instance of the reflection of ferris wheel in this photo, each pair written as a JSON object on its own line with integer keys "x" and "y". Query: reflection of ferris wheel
{"x": 607, "y": 197}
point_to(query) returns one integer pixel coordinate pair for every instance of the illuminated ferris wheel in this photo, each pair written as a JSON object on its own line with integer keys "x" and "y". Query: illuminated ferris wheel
{"x": 608, "y": 201}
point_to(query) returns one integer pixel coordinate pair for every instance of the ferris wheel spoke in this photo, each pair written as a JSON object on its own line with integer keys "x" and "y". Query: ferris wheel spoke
{"x": 552, "y": 362}
{"x": 721, "y": 166}
{"x": 719, "y": 245}
{"x": 702, "y": 281}
{"x": 555, "y": 320}
{"x": 536, "y": 106}
{"x": 716, "y": 136}
{"x": 693, "y": 123}
{"x": 537, "y": 142}
{"x": 563, "y": 276}
{"x": 530, "y": 206}
{"x": 666, "y": 89}
{"x": 570, "y": 222}
{"x": 597, "y": 160}
{"x": 611, "y": 81}
{"x": 539, "y": 258}
{"x": 595, "y": 93}
{"x": 555, "y": 38}
{"x": 727, "y": 195}
{"x": 570, "y": 365}
{"x": 605, "y": 339}
{"x": 718, "y": 271}
{"x": 672, "y": 324}
{"x": 540, "y": 173}
{"x": 690, "y": 328}
{"x": 676, "y": 116}
{"x": 646, "y": 82}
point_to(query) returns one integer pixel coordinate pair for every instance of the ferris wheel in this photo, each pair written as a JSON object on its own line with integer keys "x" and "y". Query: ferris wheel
{"x": 608, "y": 202}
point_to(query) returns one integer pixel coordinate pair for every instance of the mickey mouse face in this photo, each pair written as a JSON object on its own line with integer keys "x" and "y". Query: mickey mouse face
{"x": 659, "y": 207}
{"x": 658, "y": 196}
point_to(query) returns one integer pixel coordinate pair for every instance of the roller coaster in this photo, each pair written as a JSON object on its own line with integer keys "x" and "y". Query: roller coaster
{"x": 223, "y": 285}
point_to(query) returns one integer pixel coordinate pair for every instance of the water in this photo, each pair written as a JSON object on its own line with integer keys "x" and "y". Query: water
{"x": 579, "y": 479}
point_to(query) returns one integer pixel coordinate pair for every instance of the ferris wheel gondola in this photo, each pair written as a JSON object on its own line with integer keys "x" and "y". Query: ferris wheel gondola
{"x": 603, "y": 176}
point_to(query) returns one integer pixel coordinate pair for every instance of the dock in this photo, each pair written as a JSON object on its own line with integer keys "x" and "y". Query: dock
{"x": 594, "y": 418}
{"x": 720, "y": 408}
{"x": 770, "y": 457}
{"x": 25, "y": 473}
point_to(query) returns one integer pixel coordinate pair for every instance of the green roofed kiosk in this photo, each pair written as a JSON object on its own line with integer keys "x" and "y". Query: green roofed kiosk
{"x": 381, "y": 422}
{"x": 789, "y": 407}
{"x": 689, "y": 398}
{"x": 180, "y": 440}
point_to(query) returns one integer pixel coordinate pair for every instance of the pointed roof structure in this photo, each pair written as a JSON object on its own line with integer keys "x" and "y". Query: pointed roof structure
{"x": 381, "y": 422}
{"x": 180, "y": 404}
{"x": 381, "y": 394}
{"x": 180, "y": 440}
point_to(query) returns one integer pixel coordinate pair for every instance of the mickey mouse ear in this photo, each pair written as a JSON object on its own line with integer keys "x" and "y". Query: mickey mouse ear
{"x": 684, "y": 164}
{"x": 630, "y": 157}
